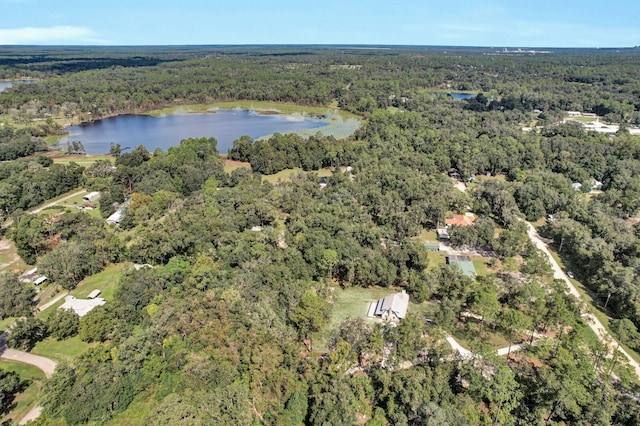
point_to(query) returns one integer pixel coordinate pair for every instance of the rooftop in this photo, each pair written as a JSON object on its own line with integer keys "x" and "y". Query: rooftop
{"x": 466, "y": 219}
{"x": 82, "y": 306}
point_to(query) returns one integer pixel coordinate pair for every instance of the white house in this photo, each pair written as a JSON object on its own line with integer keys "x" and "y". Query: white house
{"x": 82, "y": 306}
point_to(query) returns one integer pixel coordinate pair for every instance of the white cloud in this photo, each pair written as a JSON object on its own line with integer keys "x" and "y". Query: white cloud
{"x": 51, "y": 35}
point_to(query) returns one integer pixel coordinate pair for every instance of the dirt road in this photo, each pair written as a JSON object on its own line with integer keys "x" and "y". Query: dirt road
{"x": 9, "y": 222}
{"x": 591, "y": 320}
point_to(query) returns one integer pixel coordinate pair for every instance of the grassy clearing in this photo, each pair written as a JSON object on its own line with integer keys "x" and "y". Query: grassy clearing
{"x": 25, "y": 371}
{"x": 105, "y": 281}
{"x": 349, "y": 303}
{"x": 480, "y": 264}
{"x": 5, "y": 323}
{"x": 428, "y": 236}
{"x": 585, "y": 120}
{"x": 83, "y": 160}
{"x": 27, "y": 399}
{"x": 436, "y": 259}
{"x": 231, "y": 165}
{"x": 60, "y": 351}
{"x": 260, "y": 106}
{"x": 286, "y": 174}
{"x": 9, "y": 259}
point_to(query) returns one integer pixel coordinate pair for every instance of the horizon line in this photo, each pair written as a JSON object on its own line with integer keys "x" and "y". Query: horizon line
{"x": 341, "y": 45}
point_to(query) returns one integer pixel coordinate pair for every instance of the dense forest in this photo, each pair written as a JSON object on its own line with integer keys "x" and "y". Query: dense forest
{"x": 242, "y": 275}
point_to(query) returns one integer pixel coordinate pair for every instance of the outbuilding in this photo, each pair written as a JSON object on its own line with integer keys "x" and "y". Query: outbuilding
{"x": 91, "y": 197}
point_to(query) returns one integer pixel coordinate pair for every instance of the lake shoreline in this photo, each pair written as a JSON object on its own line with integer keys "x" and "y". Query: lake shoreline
{"x": 336, "y": 123}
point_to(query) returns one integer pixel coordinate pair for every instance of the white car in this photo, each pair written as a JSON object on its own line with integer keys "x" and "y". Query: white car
{"x": 570, "y": 274}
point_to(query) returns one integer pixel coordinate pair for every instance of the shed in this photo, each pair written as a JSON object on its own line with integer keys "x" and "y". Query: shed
{"x": 393, "y": 307}
{"x": 40, "y": 280}
{"x": 95, "y": 293}
{"x": 443, "y": 234}
{"x": 91, "y": 197}
{"x": 115, "y": 218}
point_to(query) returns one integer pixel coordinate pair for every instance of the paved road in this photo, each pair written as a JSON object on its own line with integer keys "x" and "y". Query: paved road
{"x": 591, "y": 320}
{"x": 45, "y": 364}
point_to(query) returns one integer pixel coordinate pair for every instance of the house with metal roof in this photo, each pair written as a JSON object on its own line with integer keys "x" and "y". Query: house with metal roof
{"x": 392, "y": 307}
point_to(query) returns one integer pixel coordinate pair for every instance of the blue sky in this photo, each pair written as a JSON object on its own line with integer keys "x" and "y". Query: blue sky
{"x": 514, "y": 23}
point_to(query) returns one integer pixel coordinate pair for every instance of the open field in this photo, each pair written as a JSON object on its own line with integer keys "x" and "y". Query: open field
{"x": 5, "y": 323}
{"x": 84, "y": 160}
{"x": 72, "y": 203}
{"x": 9, "y": 259}
{"x": 285, "y": 175}
{"x": 349, "y": 303}
{"x": 60, "y": 350}
{"x": 259, "y": 106}
{"x": 105, "y": 281}
{"x": 231, "y": 165}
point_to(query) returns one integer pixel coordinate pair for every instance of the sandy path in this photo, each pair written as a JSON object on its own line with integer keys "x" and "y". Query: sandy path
{"x": 591, "y": 320}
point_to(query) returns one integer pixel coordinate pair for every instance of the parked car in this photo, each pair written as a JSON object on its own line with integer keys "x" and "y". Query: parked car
{"x": 570, "y": 274}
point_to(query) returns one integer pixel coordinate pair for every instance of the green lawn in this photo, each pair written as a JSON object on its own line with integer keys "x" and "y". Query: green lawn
{"x": 436, "y": 258}
{"x": 105, "y": 281}
{"x": 428, "y": 236}
{"x": 260, "y": 106}
{"x": 60, "y": 351}
{"x": 83, "y": 160}
{"x": 350, "y": 303}
{"x": 286, "y": 174}
{"x": 27, "y": 399}
{"x": 6, "y": 323}
{"x": 480, "y": 264}
{"x": 26, "y": 371}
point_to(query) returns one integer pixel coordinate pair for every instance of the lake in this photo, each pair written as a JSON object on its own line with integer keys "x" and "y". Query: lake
{"x": 456, "y": 95}
{"x": 6, "y": 84}
{"x": 167, "y": 131}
